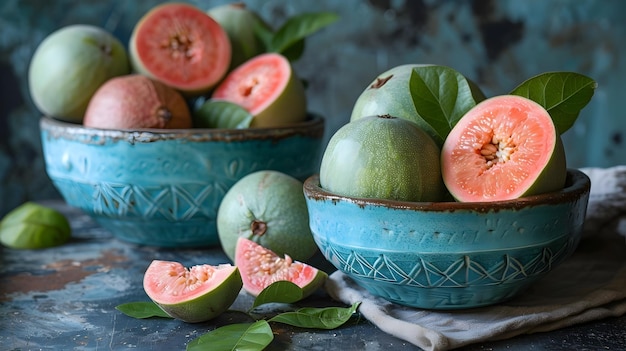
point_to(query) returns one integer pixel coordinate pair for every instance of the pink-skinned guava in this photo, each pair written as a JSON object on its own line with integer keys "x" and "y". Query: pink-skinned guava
{"x": 135, "y": 101}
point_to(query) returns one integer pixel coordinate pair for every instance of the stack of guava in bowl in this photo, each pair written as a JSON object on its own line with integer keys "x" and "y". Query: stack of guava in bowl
{"x": 434, "y": 196}
{"x": 147, "y": 138}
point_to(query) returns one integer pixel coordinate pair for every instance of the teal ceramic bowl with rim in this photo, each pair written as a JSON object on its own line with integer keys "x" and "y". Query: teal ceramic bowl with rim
{"x": 163, "y": 187}
{"x": 448, "y": 255}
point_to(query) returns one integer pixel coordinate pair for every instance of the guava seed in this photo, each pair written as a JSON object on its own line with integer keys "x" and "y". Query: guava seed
{"x": 498, "y": 150}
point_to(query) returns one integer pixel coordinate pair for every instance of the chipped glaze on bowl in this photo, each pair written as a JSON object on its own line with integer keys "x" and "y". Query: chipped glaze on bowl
{"x": 448, "y": 255}
{"x": 163, "y": 187}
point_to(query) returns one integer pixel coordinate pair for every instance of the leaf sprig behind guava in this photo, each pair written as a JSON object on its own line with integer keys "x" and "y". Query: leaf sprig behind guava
{"x": 289, "y": 38}
{"x": 442, "y": 96}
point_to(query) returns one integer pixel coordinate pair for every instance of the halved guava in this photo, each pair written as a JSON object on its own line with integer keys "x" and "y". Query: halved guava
{"x": 181, "y": 46}
{"x": 268, "y": 88}
{"x": 195, "y": 294}
{"x": 261, "y": 267}
{"x": 504, "y": 148}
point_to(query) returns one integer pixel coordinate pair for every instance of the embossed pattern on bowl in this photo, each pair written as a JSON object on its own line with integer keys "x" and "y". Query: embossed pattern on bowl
{"x": 163, "y": 187}
{"x": 448, "y": 255}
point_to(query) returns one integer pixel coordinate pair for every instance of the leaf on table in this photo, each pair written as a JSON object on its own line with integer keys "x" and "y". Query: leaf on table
{"x": 142, "y": 309}
{"x": 241, "y": 336}
{"x": 318, "y": 318}
{"x": 280, "y": 292}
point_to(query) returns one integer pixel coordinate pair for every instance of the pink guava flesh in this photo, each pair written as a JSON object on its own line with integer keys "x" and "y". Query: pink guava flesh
{"x": 504, "y": 148}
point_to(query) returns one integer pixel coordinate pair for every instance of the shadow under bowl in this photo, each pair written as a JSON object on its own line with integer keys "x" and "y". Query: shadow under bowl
{"x": 448, "y": 255}
{"x": 163, "y": 187}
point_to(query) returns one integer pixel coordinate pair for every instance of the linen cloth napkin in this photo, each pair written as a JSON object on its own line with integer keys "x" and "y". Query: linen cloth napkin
{"x": 589, "y": 285}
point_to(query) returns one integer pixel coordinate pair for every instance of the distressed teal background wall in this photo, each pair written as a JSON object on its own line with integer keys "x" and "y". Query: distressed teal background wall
{"x": 496, "y": 43}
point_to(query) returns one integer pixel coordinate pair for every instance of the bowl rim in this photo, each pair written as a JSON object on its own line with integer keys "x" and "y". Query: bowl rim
{"x": 312, "y": 127}
{"x": 577, "y": 185}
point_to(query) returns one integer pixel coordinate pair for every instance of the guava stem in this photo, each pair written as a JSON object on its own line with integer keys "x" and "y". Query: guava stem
{"x": 380, "y": 82}
{"x": 164, "y": 114}
{"x": 258, "y": 227}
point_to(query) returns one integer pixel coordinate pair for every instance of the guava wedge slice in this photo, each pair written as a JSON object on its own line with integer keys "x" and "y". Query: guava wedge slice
{"x": 261, "y": 267}
{"x": 181, "y": 46}
{"x": 195, "y": 294}
{"x": 504, "y": 148}
{"x": 266, "y": 86}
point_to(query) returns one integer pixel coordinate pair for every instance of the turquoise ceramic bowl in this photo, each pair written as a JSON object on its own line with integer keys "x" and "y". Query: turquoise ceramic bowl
{"x": 163, "y": 187}
{"x": 448, "y": 255}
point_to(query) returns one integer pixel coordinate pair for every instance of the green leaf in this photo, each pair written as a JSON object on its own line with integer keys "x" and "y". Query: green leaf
{"x": 241, "y": 337}
{"x": 562, "y": 94}
{"x": 281, "y": 292}
{"x": 34, "y": 226}
{"x": 299, "y": 27}
{"x": 264, "y": 32}
{"x": 221, "y": 114}
{"x": 142, "y": 309}
{"x": 295, "y": 51}
{"x": 441, "y": 96}
{"x": 320, "y": 318}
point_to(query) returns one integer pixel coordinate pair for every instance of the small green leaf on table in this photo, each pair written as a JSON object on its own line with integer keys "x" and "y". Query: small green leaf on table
{"x": 241, "y": 336}
{"x": 279, "y": 292}
{"x": 142, "y": 309}
{"x": 318, "y": 318}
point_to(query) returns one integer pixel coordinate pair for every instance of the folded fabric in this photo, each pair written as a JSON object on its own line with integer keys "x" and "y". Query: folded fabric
{"x": 590, "y": 285}
{"x": 607, "y": 200}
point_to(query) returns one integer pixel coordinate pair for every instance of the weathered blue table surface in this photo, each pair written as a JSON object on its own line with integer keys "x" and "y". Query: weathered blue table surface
{"x": 64, "y": 298}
